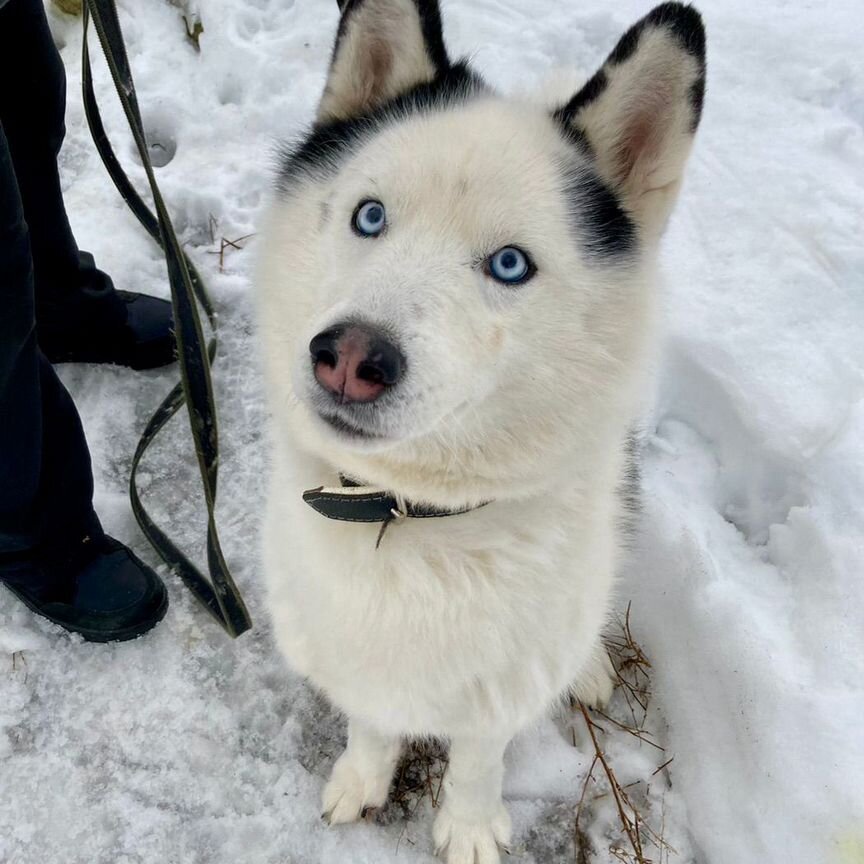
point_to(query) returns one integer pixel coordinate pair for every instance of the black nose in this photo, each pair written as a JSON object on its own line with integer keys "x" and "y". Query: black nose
{"x": 356, "y": 362}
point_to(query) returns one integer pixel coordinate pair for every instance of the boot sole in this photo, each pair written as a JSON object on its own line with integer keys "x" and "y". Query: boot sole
{"x": 156, "y": 356}
{"x": 122, "y": 635}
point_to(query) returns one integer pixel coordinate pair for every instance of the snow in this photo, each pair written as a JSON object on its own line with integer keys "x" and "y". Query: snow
{"x": 746, "y": 589}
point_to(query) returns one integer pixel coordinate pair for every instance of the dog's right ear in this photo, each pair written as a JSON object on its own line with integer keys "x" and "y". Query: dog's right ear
{"x": 383, "y": 48}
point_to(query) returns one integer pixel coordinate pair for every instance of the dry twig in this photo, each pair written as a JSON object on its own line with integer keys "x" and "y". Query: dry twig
{"x": 633, "y": 681}
{"x": 194, "y": 29}
{"x": 226, "y": 245}
{"x": 420, "y": 775}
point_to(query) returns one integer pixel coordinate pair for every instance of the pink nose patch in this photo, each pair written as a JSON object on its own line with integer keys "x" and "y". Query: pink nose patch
{"x": 354, "y": 377}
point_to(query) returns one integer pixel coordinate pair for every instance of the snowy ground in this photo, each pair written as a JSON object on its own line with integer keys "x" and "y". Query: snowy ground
{"x": 747, "y": 593}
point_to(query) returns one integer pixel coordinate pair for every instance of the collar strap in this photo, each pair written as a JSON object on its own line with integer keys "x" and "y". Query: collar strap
{"x": 355, "y": 503}
{"x": 368, "y": 504}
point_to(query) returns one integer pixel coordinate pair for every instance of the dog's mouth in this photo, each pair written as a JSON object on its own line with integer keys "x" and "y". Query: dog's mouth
{"x": 348, "y": 429}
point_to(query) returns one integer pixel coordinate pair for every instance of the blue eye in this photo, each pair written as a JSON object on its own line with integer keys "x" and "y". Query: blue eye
{"x": 510, "y": 265}
{"x": 370, "y": 219}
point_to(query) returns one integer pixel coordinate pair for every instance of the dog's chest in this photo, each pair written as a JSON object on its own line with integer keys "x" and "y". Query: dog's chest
{"x": 446, "y": 618}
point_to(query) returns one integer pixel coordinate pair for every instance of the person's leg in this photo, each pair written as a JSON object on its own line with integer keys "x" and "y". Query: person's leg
{"x": 54, "y": 555}
{"x": 45, "y": 477}
{"x": 79, "y": 313}
{"x": 32, "y": 105}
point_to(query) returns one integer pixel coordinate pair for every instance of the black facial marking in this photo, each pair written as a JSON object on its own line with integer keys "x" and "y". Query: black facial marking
{"x": 576, "y": 136}
{"x": 605, "y": 229}
{"x": 327, "y": 144}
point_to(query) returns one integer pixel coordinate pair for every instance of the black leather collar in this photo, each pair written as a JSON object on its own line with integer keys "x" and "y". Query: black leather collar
{"x": 354, "y": 502}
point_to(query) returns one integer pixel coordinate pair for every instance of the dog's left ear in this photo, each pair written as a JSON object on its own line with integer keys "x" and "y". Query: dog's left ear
{"x": 640, "y": 111}
{"x": 383, "y": 48}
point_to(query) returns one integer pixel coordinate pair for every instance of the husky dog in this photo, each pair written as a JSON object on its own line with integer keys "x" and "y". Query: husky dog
{"x": 457, "y": 308}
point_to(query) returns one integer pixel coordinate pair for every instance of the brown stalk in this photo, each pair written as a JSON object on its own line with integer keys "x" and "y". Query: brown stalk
{"x": 634, "y": 682}
{"x": 226, "y": 245}
{"x": 626, "y": 824}
{"x": 636, "y": 733}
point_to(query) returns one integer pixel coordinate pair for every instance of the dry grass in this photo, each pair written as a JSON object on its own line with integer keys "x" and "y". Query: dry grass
{"x": 632, "y": 669}
{"x": 194, "y": 30}
{"x": 640, "y": 842}
{"x": 68, "y": 7}
{"x": 225, "y": 245}
{"x": 420, "y": 775}
{"x": 19, "y": 661}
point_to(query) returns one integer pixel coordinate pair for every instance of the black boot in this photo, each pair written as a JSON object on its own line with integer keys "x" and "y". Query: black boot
{"x": 94, "y": 323}
{"x": 100, "y": 590}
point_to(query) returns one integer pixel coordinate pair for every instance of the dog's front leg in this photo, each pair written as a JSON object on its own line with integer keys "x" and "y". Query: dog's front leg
{"x": 472, "y": 822}
{"x": 362, "y": 774}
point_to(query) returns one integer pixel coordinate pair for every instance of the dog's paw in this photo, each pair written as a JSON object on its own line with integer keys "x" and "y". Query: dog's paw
{"x": 460, "y": 841}
{"x": 351, "y": 791}
{"x": 597, "y": 681}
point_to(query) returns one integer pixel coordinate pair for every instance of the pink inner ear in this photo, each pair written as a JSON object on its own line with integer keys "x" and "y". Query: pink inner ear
{"x": 643, "y": 136}
{"x": 377, "y": 71}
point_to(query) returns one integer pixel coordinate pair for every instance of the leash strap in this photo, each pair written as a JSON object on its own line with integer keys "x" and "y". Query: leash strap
{"x": 220, "y": 597}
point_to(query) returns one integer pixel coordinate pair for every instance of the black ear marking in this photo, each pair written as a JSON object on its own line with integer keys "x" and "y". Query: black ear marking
{"x": 430, "y": 25}
{"x": 590, "y": 91}
{"x": 433, "y": 32}
{"x": 683, "y": 22}
{"x": 697, "y": 100}
{"x": 382, "y": 48}
{"x": 635, "y": 119}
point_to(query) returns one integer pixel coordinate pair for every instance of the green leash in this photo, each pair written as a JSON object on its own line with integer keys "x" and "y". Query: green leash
{"x": 220, "y": 597}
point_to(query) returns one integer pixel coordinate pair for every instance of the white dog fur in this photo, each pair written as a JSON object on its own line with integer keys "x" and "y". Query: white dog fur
{"x": 470, "y": 626}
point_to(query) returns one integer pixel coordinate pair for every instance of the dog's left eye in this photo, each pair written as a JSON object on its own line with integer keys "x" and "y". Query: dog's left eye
{"x": 370, "y": 218}
{"x": 510, "y": 265}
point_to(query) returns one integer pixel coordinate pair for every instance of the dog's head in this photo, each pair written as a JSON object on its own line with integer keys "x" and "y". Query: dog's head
{"x": 455, "y": 283}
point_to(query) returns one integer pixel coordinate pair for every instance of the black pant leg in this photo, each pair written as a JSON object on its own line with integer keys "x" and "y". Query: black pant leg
{"x": 20, "y": 409}
{"x": 32, "y": 108}
{"x": 46, "y": 484}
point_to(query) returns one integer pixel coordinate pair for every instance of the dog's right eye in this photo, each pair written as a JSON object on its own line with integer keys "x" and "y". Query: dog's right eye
{"x": 370, "y": 218}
